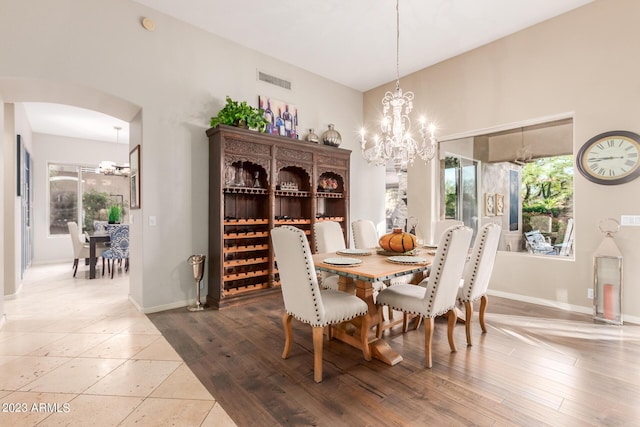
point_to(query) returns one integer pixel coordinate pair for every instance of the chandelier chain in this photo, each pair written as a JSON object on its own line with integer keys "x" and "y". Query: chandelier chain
{"x": 397, "y": 44}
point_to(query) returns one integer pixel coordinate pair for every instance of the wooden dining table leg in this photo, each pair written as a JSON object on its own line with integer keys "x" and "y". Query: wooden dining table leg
{"x": 92, "y": 259}
{"x": 379, "y": 347}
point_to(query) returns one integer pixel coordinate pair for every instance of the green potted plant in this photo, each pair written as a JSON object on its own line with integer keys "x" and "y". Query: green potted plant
{"x": 240, "y": 114}
{"x": 114, "y": 214}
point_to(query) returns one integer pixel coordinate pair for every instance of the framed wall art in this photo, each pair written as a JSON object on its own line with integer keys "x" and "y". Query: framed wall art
{"x": 499, "y": 204}
{"x": 134, "y": 177}
{"x": 18, "y": 166}
{"x": 282, "y": 117}
{"x": 489, "y": 204}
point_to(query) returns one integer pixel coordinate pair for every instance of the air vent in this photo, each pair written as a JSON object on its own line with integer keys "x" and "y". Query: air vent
{"x": 267, "y": 78}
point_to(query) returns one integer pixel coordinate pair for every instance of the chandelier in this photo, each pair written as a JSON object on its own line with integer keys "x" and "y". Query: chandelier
{"x": 396, "y": 142}
{"x": 523, "y": 154}
{"x": 108, "y": 167}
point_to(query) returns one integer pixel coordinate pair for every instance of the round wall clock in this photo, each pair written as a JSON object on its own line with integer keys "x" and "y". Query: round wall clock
{"x": 610, "y": 158}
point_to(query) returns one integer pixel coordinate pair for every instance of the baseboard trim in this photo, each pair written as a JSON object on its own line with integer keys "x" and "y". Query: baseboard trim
{"x": 15, "y": 294}
{"x": 162, "y": 307}
{"x": 556, "y": 304}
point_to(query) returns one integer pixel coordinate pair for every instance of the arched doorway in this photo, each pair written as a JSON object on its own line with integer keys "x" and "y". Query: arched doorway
{"x": 14, "y": 92}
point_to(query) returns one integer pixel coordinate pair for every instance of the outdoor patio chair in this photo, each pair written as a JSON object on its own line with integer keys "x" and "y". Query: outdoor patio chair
{"x": 537, "y": 244}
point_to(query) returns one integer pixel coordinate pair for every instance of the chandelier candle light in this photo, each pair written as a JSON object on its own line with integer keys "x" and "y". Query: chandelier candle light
{"x": 396, "y": 143}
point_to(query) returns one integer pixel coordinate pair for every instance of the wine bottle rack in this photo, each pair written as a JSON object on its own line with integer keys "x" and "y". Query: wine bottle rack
{"x": 257, "y": 182}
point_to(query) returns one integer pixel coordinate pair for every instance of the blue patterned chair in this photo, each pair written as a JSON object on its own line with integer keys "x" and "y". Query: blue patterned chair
{"x": 100, "y": 226}
{"x": 119, "y": 249}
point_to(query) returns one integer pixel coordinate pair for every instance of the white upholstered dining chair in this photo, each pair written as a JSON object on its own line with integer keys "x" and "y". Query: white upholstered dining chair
{"x": 441, "y": 226}
{"x": 477, "y": 273}
{"x": 365, "y": 235}
{"x": 438, "y": 293}
{"x": 80, "y": 249}
{"x": 328, "y": 238}
{"x": 306, "y": 301}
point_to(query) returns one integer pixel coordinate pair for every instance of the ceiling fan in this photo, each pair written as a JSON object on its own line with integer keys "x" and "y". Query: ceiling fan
{"x": 107, "y": 167}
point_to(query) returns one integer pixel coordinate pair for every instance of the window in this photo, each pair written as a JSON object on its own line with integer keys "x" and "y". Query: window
{"x": 396, "y": 198}
{"x": 528, "y": 171}
{"x": 459, "y": 191}
{"x": 63, "y": 197}
{"x": 547, "y": 201}
{"x": 77, "y": 192}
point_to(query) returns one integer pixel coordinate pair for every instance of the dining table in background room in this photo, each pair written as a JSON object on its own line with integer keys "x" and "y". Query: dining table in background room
{"x": 95, "y": 238}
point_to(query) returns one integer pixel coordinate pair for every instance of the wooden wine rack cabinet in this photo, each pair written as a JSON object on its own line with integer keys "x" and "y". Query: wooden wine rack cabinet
{"x": 257, "y": 182}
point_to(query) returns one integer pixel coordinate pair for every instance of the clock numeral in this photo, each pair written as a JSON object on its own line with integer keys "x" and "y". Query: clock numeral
{"x": 611, "y": 172}
{"x": 593, "y": 166}
{"x": 611, "y": 143}
{"x": 600, "y": 146}
{"x": 632, "y": 155}
{"x": 630, "y": 147}
{"x": 629, "y": 163}
{"x": 601, "y": 171}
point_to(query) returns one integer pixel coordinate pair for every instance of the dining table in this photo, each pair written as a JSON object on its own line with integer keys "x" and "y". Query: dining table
{"x": 366, "y": 267}
{"x": 95, "y": 238}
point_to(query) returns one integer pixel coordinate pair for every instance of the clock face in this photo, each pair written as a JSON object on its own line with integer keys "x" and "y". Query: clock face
{"x": 610, "y": 158}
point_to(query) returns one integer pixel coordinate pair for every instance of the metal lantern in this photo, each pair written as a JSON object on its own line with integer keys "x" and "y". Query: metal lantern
{"x": 607, "y": 276}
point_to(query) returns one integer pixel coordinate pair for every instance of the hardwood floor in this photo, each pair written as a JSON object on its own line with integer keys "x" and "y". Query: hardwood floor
{"x": 536, "y": 366}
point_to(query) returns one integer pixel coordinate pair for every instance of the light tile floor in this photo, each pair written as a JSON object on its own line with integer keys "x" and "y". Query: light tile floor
{"x": 75, "y": 352}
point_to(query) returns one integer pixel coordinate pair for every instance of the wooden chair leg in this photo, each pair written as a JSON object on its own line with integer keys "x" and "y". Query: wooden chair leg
{"x": 288, "y": 334}
{"x": 417, "y": 321}
{"x": 483, "y": 307}
{"x": 317, "y": 353}
{"x": 103, "y": 266}
{"x": 75, "y": 267}
{"x": 428, "y": 336}
{"x": 364, "y": 336}
{"x": 113, "y": 267}
{"x": 468, "y": 315}
{"x": 452, "y": 318}
{"x": 380, "y": 321}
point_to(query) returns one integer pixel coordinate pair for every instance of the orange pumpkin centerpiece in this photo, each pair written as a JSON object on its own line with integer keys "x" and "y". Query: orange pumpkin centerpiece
{"x": 398, "y": 241}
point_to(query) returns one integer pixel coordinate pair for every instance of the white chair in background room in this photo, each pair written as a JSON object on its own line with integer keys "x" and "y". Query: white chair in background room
{"x": 80, "y": 249}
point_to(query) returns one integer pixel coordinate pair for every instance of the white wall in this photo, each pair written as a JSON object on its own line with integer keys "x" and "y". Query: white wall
{"x": 2, "y": 203}
{"x": 11, "y": 270}
{"x": 570, "y": 64}
{"x": 176, "y": 78}
{"x": 57, "y": 149}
